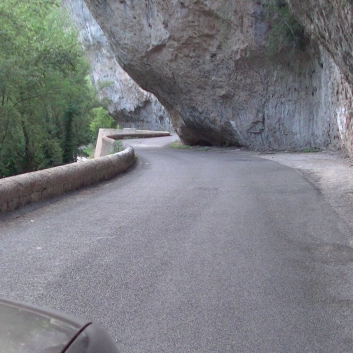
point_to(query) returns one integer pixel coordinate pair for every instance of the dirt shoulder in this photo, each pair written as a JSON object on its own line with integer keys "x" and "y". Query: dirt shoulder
{"x": 331, "y": 172}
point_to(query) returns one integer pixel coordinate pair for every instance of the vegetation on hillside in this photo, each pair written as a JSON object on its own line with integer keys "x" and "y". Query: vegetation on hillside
{"x": 285, "y": 32}
{"x": 102, "y": 120}
{"x": 46, "y": 101}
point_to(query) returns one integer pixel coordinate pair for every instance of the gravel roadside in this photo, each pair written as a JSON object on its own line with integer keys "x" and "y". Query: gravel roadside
{"x": 331, "y": 172}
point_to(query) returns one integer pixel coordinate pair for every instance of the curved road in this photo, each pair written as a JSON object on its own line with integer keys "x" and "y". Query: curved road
{"x": 191, "y": 251}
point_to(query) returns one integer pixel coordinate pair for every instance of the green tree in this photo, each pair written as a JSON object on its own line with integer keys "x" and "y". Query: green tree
{"x": 46, "y": 100}
{"x": 101, "y": 119}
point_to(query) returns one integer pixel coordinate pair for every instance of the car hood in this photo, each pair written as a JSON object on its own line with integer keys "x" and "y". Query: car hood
{"x": 27, "y": 329}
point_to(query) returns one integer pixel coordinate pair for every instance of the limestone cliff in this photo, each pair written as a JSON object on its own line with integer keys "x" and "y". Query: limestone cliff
{"x": 129, "y": 105}
{"x": 330, "y": 22}
{"x": 208, "y": 63}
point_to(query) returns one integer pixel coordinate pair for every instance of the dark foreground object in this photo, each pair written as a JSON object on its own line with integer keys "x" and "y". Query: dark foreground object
{"x": 28, "y": 329}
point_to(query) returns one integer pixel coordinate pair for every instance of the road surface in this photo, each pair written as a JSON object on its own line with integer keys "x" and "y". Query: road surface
{"x": 191, "y": 251}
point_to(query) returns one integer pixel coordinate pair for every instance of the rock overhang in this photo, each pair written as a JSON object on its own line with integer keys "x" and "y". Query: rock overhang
{"x": 208, "y": 64}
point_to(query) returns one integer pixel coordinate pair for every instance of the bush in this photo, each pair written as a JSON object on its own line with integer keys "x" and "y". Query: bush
{"x": 101, "y": 120}
{"x": 285, "y": 31}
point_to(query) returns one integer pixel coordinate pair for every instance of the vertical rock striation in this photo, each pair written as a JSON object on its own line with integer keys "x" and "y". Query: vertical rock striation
{"x": 207, "y": 62}
{"x": 129, "y": 105}
{"x": 330, "y": 23}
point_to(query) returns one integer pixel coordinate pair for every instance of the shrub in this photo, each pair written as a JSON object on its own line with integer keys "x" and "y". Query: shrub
{"x": 285, "y": 31}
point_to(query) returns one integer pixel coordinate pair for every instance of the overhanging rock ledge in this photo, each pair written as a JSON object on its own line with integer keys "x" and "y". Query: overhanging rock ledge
{"x": 208, "y": 64}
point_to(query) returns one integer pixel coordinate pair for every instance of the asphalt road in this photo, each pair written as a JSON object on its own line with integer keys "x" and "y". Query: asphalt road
{"x": 191, "y": 251}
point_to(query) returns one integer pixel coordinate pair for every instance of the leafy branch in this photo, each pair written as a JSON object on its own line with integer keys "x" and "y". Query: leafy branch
{"x": 285, "y": 32}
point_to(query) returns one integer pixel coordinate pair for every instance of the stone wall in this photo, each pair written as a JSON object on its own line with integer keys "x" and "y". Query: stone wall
{"x": 107, "y": 137}
{"x": 26, "y": 188}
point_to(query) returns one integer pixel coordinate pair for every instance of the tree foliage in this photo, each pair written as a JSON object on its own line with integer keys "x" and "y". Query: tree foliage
{"x": 101, "y": 120}
{"x": 285, "y": 32}
{"x": 45, "y": 100}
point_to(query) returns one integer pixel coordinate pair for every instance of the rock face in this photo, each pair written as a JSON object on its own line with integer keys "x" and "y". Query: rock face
{"x": 129, "y": 105}
{"x": 208, "y": 64}
{"x": 330, "y": 22}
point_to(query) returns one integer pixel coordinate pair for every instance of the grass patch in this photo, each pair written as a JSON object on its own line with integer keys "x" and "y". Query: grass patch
{"x": 88, "y": 151}
{"x": 118, "y": 146}
{"x": 309, "y": 150}
{"x": 179, "y": 145}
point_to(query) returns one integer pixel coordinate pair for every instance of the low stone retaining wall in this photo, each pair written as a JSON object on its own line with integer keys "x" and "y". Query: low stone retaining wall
{"x": 26, "y": 188}
{"x": 106, "y": 138}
